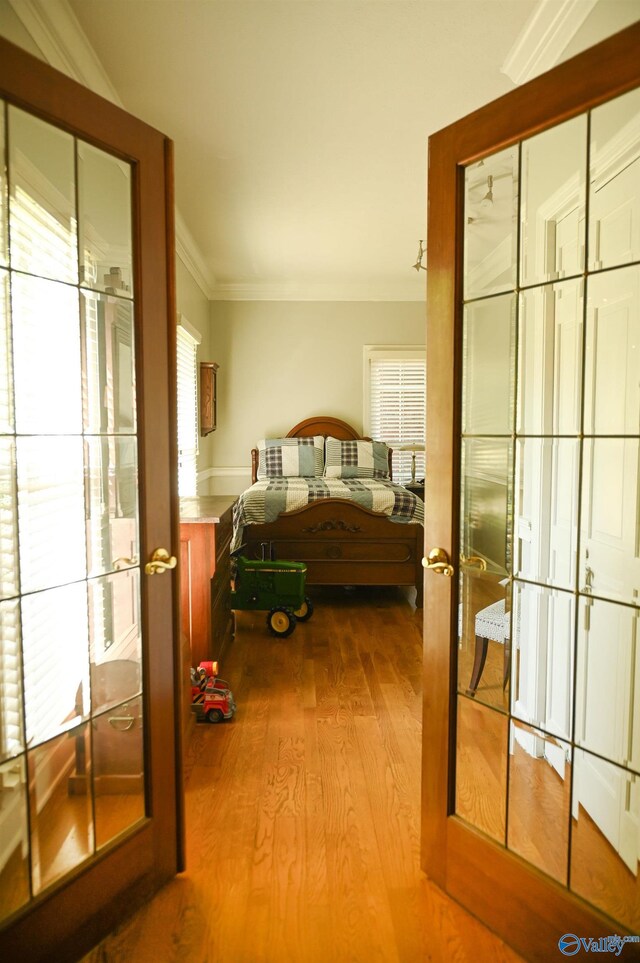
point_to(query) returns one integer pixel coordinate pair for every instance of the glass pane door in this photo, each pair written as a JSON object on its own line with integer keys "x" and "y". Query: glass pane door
{"x": 71, "y": 699}
{"x": 548, "y": 683}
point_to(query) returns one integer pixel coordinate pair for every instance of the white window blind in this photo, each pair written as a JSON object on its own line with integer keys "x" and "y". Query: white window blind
{"x": 187, "y": 411}
{"x": 395, "y": 404}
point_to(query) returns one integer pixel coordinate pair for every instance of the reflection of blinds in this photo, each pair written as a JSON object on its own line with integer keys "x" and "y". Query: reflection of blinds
{"x": 51, "y": 511}
{"x": 187, "y": 413}
{"x": 11, "y": 720}
{"x": 6, "y": 399}
{"x": 42, "y": 241}
{"x": 55, "y": 633}
{"x": 397, "y": 385}
{"x": 44, "y": 328}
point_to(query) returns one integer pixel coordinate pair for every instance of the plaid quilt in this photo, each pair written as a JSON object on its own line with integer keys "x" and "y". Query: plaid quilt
{"x": 267, "y": 499}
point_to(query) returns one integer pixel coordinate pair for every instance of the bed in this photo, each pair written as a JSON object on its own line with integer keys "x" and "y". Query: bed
{"x": 342, "y": 542}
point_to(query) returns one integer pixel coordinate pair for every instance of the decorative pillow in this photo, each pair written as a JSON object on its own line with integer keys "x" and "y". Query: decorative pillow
{"x": 286, "y": 457}
{"x": 356, "y": 459}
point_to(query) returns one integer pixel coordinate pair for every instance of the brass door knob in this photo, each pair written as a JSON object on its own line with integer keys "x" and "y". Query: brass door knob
{"x": 474, "y": 561}
{"x": 123, "y": 560}
{"x": 160, "y": 561}
{"x": 438, "y": 561}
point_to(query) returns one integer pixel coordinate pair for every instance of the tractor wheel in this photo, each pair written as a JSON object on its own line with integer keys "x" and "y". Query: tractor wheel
{"x": 304, "y": 613}
{"x": 214, "y": 715}
{"x": 281, "y": 621}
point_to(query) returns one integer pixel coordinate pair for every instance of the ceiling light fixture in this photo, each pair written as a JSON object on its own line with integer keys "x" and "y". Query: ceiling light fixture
{"x": 487, "y": 200}
{"x": 421, "y": 252}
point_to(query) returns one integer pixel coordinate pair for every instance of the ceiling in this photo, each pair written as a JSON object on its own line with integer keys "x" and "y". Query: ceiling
{"x": 301, "y": 127}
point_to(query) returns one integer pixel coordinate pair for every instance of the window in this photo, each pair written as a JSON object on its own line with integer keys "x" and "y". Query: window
{"x": 395, "y": 403}
{"x": 188, "y": 341}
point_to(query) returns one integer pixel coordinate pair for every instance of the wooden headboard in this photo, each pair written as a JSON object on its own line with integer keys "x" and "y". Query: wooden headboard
{"x": 318, "y": 425}
{"x": 321, "y": 425}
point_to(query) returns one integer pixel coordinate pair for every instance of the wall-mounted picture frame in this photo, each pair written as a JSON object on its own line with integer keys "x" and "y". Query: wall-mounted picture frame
{"x": 208, "y": 397}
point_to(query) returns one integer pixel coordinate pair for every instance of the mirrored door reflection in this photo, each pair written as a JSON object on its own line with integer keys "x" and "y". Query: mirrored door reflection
{"x": 607, "y": 680}
{"x": 552, "y": 213}
{"x": 486, "y": 502}
{"x": 543, "y": 654}
{"x": 491, "y": 211}
{"x": 14, "y": 856}
{"x": 115, "y": 644}
{"x": 48, "y": 328}
{"x": 488, "y": 366}
{"x": 548, "y": 756}
{"x": 104, "y": 201}
{"x": 42, "y": 202}
{"x": 606, "y": 804}
{"x": 56, "y": 660}
{"x": 546, "y": 510}
{"x": 612, "y": 392}
{"x": 4, "y": 200}
{"x": 614, "y": 222}
{"x": 109, "y": 359}
{"x": 112, "y": 505}
{"x": 6, "y": 373}
{"x": 604, "y": 837}
{"x": 484, "y": 637}
{"x": 60, "y": 813}
{"x": 481, "y": 767}
{"x": 550, "y": 327}
{"x": 609, "y": 557}
{"x": 118, "y": 763}
{"x": 71, "y": 684}
{"x": 539, "y": 799}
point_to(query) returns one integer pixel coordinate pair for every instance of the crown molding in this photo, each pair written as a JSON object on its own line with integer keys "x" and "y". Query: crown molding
{"x": 189, "y": 253}
{"x": 546, "y": 34}
{"x": 292, "y": 291}
{"x": 57, "y": 33}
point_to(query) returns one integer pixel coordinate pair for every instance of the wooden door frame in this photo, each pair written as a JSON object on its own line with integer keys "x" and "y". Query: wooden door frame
{"x": 525, "y": 907}
{"x": 67, "y": 922}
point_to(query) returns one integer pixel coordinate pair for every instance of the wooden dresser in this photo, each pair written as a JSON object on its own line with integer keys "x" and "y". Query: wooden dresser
{"x": 205, "y": 538}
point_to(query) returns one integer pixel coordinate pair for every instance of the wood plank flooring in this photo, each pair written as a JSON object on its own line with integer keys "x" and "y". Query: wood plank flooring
{"x": 303, "y": 812}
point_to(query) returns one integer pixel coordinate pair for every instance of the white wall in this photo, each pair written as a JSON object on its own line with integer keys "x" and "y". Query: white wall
{"x": 283, "y": 361}
{"x": 606, "y": 18}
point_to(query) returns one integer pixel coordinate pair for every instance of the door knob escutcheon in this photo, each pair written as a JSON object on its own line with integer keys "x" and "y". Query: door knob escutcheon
{"x": 160, "y": 561}
{"x": 438, "y": 561}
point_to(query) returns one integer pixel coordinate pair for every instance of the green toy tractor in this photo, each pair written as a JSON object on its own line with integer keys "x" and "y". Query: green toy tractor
{"x": 276, "y": 587}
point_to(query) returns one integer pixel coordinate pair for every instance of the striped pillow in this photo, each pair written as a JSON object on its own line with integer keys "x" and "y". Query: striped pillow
{"x": 290, "y": 457}
{"x": 356, "y": 459}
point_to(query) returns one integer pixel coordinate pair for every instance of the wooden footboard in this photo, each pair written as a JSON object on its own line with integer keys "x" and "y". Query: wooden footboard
{"x": 344, "y": 544}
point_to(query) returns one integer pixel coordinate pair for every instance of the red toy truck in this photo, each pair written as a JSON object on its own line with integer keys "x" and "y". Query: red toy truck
{"x": 211, "y": 698}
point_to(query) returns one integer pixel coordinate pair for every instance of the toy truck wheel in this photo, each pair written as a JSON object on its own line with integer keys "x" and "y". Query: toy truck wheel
{"x": 214, "y": 715}
{"x": 281, "y": 622}
{"x": 304, "y": 613}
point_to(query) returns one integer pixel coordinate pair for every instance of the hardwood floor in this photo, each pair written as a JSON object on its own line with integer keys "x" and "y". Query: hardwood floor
{"x": 303, "y": 812}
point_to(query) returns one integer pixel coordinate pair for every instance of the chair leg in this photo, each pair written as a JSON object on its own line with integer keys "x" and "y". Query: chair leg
{"x": 506, "y": 663}
{"x": 482, "y": 646}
